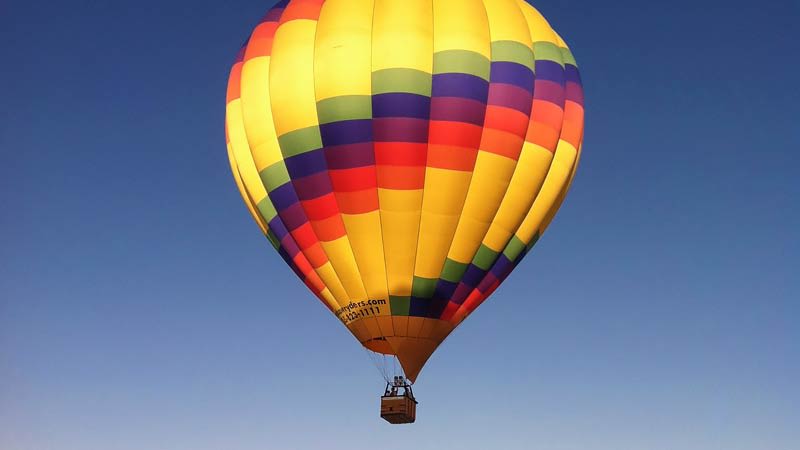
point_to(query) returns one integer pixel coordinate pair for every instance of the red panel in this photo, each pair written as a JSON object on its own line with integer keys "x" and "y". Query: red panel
{"x": 401, "y": 177}
{"x": 260, "y": 43}
{"x": 302, "y": 9}
{"x": 501, "y": 143}
{"x": 303, "y": 265}
{"x": 304, "y": 236}
{"x": 329, "y": 229}
{"x": 572, "y": 130}
{"x": 506, "y": 119}
{"x": 400, "y": 153}
{"x": 356, "y": 179}
{"x": 452, "y": 157}
{"x": 548, "y": 113}
{"x": 234, "y": 86}
{"x": 544, "y": 135}
{"x": 455, "y": 133}
{"x": 358, "y": 202}
{"x": 448, "y": 312}
{"x": 316, "y": 255}
{"x": 321, "y": 207}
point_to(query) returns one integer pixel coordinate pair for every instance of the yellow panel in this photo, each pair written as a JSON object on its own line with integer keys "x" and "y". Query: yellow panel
{"x": 291, "y": 77}
{"x": 396, "y": 200}
{"x": 328, "y": 297}
{"x": 445, "y": 191}
{"x": 343, "y": 49}
{"x": 489, "y": 184}
{"x": 443, "y": 184}
{"x": 258, "y": 121}
{"x": 399, "y": 244}
{"x": 534, "y": 162}
{"x": 563, "y": 161}
{"x": 436, "y": 231}
{"x": 341, "y": 256}
{"x": 241, "y": 151}
{"x": 331, "y": 280}
{"x": 364, "y": 231}
{"x": 554, "y": 209}
{"x": 403, "y": 35}
{"x": 507, "y": 22}
{"x": 460, "y": 25}
{"x": 245, "y": 196}
{"x": 539, "y": 27}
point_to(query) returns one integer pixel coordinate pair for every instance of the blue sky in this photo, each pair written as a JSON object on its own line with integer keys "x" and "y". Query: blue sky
{"x": 141, "y": 309}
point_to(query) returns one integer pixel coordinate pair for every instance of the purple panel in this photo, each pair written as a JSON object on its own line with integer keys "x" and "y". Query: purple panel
{"x": 283, "y": 197}
{"x": 458, "y": 110}
{"x": 240, "y": 54}
{"x": 575, "y": 93}
{"x": 274, "y": 15}
{"x": 401, "y": 104}
{"x": 511, "y": 73}
{"x": 549, "y": 70}
{"x": 487, "y": 281}
{"x": 306, "y": 164}
{"x": 436, "y": 306}
{"x": 418, "y": 307}
{"x": 510, "y": 96}
{"x": 444, "y": 289}
{"x": 291, "y": 246}
{"x": 294, "y": 217}
{"x": 461, "y": 293}
{"x": 461, "y": 85}
{"x": 473, "y": 275}
{"x": 290, "y": 263}
{"x": 501, "y": 265}
{"x": 571, "y": 73}
{"x": 350, "y": 156}
{"x": 549, "y": 91}
{"x": 278, "y": 228}
{"x": 314, "y": 186}
{"x": 346, "y": 132}
{"x": 400, "y": 129}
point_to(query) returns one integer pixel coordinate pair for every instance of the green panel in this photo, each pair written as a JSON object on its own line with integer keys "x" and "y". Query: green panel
{"x": 274, "y": 176}
{"x": 512, "y": 51}
{"x": 461, "y": 61}
{"x": 485, "y": 257}
{"x": 273, "y": 239}
{"x": 566, "y": 54}
{"x": 401, "y": 80}
{"x": 423, "y": 287}
{"x": 400, "y": 305}
{"x": 453, "y": 271}
{"x": 267, "y": 209}
{"x": 514, "y": 248}
{"x": 346, "y": 107}
{"x": 548, "y": 51}
{"x": 300, "y": 141}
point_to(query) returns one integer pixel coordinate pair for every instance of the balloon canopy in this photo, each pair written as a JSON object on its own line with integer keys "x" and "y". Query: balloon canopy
{"x": 402, "y": 156}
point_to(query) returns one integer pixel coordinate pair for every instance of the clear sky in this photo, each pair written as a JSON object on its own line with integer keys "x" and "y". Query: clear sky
{"x": 140, "y": 308}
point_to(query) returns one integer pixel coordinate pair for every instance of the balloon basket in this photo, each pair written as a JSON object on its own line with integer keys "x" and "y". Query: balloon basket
{"x": 398, "y": 404}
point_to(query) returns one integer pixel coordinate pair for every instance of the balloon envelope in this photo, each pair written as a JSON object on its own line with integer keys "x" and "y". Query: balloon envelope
{"x": 402, "y": 156}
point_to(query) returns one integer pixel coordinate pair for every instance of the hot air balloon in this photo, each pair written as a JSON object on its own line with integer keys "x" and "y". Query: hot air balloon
{"x": 403, "y": 156}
